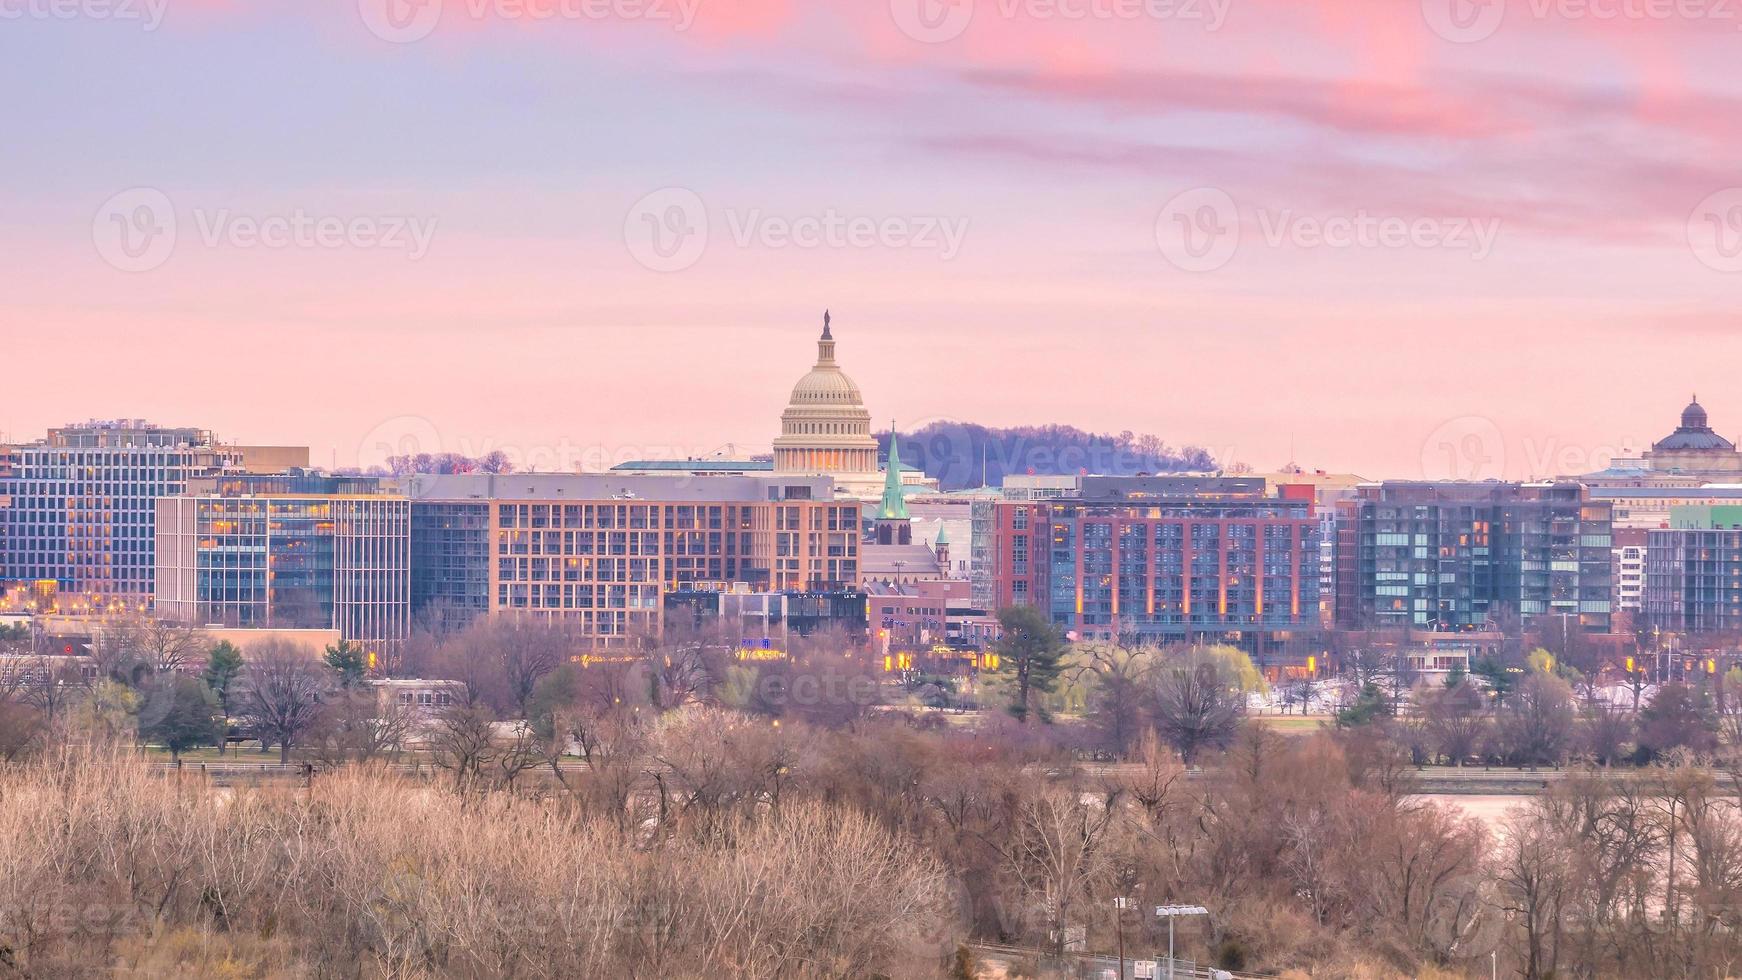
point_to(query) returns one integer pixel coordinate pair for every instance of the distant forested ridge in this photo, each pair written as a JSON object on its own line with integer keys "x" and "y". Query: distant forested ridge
{"x": 958, "y": 453}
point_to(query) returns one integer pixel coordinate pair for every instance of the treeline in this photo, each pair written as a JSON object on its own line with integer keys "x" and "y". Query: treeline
{"x": 677, "y": 809}
{"x": 959, "y": 454}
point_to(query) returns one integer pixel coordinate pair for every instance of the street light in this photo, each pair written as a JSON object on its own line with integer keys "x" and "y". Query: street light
{"x": 1170, "y": 913}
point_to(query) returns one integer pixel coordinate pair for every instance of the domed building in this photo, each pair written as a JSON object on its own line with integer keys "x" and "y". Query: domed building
{"x": 826, "y": 431}
{"x": 1693, "y": 448}
{"x": 1691, "y": 456}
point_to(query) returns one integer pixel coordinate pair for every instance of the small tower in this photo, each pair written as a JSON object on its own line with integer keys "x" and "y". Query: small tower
{"x": 892, "y": 525}
{"x": 941, "y": 545}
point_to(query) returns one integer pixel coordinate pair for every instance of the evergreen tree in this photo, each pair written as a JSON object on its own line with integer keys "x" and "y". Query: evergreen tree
{"x": 223, "y": 665}
{"x": 181, "y": 714}
{"x": 1032, "y": 647}
{"x": 349, "y": 661}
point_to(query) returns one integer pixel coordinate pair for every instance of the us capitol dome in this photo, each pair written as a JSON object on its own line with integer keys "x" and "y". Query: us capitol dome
{"x": 825, "y": 430}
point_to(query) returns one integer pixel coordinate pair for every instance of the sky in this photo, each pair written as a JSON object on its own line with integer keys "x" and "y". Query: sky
{"x": 1446, "y": 238}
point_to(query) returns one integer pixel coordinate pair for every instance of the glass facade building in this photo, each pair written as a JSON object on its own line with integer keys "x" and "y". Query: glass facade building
{"x": 80, "y": 506}
{"x": 1693, "y": 571}
{"x": 291, "y": 551}
{"x": 450, "y": 560}
{"x": 1472, "y": 556}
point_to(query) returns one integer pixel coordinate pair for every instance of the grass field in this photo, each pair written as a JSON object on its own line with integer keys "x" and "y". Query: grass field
{"x": 1293, "y": 724}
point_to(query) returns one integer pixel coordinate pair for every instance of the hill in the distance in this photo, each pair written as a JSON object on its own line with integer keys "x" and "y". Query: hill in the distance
{"x": 960, "y": 455}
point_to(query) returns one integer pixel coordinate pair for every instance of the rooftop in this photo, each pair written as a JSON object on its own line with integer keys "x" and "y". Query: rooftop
{"x": 610, "y": 486}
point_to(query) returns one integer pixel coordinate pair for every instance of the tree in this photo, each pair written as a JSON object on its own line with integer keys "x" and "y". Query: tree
{"x": 1454, "y": 721}
{"x": 529, "y": 649}
{"x": 1604, "y": 733}
{"x": 1197, "y": 702}
{"x": 223, "y": 666}
{"x": 1536, "y": 726}
{"x": 282, "y": 690}
{"x": 348, "y": 662}
{"x": 358, "y": 726}
{"x": 465, "y": 741}
{"x": 1116, "y": 675}
{"x": 1674, "y": 719}
{"x": 107, "y": 714}
{"x": 53, "y": 684}
{"x": 138, "y": 644}
{"x": 1370, "y": 705}
{"x": 1500, "y": 679}
{"x": 1032, "y": 647}
{"x": 181, "y": 713}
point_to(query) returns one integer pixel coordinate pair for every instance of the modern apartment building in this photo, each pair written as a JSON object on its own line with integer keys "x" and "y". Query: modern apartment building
{"x": 600, "y": 551}
{"x": 1472, "y": 556}
{"x": 1163, "y": 559}
{"x": 81, "y": 507}
{"x": 297, "y": 550}
{"x": 1693, "y": 571}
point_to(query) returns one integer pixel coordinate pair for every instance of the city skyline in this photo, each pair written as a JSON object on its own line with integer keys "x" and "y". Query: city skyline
{"x": 1472, "y": 447}
{"x": 500, "y": 288}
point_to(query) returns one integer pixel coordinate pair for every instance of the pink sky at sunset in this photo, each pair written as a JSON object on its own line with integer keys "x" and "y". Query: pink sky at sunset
{"x": 1602, "y": 153}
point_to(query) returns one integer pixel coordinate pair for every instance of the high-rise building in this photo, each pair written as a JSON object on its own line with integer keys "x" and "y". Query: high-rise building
{"x": 83, "y": 504}
{"x": 297, "y": 550}
{"x": 1472, "y": 556}
{"x": 1693, "y": 571}
{"x": 1164, "y": 559}
{"x": 599, "y": 551}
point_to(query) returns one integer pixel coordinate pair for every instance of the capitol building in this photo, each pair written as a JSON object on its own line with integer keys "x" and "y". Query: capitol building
{"x": 826, "y": 430}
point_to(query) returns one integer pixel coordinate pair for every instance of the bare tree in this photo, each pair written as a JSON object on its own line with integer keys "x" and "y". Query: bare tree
{"x": 360, "y": 726}
{"x": 282, "y": 691}
{"x": 1116, "y": 675}
{"x": 1454, "y": 719}
{"x": 157, "y": 645}
{"x": 53, "y": 684}
{"x": 1536, "y": 725}
{"x": 466, "y": 741}
{"x": 1195, "y": 703}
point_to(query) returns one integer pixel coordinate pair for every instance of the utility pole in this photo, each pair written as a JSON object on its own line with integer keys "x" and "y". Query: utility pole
{"x": 1119, "y": 906}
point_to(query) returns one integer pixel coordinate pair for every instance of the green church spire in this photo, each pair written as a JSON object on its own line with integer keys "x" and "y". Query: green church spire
{"x": 894, "y": 506}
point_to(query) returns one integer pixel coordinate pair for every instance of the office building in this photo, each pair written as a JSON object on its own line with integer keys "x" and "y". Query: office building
{"x": 600, "y": 551}
{"x": 81, "y": 513}
{"x": 297, "y": 550}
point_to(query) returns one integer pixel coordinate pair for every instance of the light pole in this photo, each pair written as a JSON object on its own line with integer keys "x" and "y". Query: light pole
{"x": 1119, "y": 906}
{"x": 1170, "y": 913}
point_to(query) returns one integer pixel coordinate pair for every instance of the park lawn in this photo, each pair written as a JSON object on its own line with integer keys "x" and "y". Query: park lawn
{"x": 1294, "y": 724}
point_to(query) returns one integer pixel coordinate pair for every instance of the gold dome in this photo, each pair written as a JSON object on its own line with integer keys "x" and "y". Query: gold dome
{"x": 825, "y": 429}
